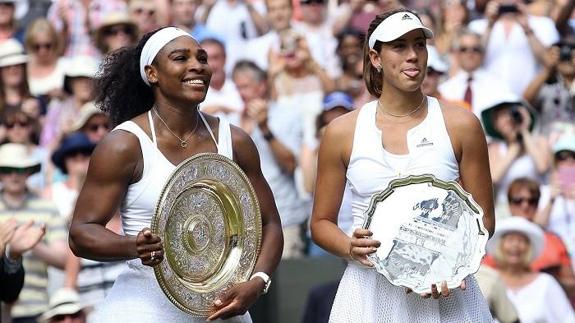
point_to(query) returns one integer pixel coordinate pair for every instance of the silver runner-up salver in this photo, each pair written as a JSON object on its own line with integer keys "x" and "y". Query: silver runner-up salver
{"x": 208, "y": 217}
{"x": 430, "y": 231}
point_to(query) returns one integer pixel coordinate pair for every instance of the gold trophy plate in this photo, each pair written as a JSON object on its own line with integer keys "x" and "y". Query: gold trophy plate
{"x": 208, "y": 217}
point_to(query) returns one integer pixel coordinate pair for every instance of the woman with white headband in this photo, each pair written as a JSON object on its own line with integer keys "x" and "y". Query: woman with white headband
{"x": 152, "y": 93}
{"x": 401, "y": 133}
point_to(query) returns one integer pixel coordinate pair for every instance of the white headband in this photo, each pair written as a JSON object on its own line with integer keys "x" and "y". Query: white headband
{"x": 397, "y": 25}
{"x": 154, "y": 44}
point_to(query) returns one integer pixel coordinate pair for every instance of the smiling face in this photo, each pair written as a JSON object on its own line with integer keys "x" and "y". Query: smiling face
{"x": 515, "y": 249}
{"x": 181, "y": 72}
{"x": 403, "y": 61}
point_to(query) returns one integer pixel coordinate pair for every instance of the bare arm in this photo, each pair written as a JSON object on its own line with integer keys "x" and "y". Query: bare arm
{"x": 499, "y": 163}
{"x": 73, "y": 266}
{"x": 562, "y": 14}
{"x": 258, "y": 109}
{"x": 239, "y": 298}
{"x": 53, "y": 254}
{"x": 551, "y": 59}
{"x": 259, "y": 21}
{"x": 474, "y": 169}
{"x": 112, "y": 167}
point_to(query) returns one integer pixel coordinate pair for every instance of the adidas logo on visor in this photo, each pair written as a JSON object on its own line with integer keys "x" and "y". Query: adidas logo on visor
{"x": 406, "y": 17}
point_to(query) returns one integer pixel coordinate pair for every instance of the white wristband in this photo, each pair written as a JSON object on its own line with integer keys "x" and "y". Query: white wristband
{"x": 265, "y": 277}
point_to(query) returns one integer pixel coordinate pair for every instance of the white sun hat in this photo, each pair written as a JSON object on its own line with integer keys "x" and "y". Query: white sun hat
{"x": 520, "y": 225}
{"x": 64, "y": 301}
{"x": 18, "y": 156}
{"x": 397, "y": 25}
{"x": 12, "y": 53}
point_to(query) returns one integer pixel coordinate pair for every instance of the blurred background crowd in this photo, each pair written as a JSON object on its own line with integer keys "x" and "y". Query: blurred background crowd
{"x": 290, "y": 66}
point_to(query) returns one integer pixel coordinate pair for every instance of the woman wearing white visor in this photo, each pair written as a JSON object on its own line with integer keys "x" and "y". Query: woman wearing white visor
{"x": 380, "y": 142}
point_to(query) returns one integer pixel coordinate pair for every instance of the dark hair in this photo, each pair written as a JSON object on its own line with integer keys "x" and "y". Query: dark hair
{"x": 246, "y": 65}
{"x": 120, "y": 90}
{"x": 524, "y": 182}
{"x": 373, "y": 78}
{"x": 349, "y": 31}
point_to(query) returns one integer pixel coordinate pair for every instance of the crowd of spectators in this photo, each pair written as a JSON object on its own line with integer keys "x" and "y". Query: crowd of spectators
{"x": 282, "y": 70}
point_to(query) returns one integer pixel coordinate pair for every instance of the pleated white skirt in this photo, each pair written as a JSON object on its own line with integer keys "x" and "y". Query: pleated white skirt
{"x": 364, "y": 295}
{"x": 137, "y": 297}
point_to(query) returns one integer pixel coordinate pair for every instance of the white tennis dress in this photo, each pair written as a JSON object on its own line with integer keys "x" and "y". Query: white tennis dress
{"x": 136, "y": 295}
{"x": 364, "y": 295}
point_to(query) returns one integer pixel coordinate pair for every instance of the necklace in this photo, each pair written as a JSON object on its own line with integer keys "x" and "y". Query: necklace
{"x": 183, "y": 142}
{"x": 401, "y": 115}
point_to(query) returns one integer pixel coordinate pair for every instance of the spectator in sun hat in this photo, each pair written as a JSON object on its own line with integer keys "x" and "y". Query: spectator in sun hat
{"x": 18, "y": 202}
{"x": 74, "y": 145}
{"x": 515, "y": 150}
{"x": 23, "y": 129}
{"x": 558, "y": 197}
{"x": 14, "y": 80}
{"x": 78, "y": 83}
{"x": 72, "y": 158}
{"x": 515, "y": 244}
{"x": 334, "y": 105}
{"x": 93, "y": 122}
{"x": 436, "y": 69}
{"x": 65, "y": 306}
{"x": 117, "y": 30}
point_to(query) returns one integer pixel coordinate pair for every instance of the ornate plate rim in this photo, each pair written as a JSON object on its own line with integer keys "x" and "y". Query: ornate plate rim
{"x": 155, "y": 219}
{"x": 446, "y": 185}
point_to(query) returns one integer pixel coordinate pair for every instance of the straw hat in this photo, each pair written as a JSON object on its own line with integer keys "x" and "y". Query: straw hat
{"x": 520, "y": 225}
{"x": 18, "y": 156}
{"x": 86, "y": 112}
{"x": 12, "y": 53}
{"x": 64, "y": 301}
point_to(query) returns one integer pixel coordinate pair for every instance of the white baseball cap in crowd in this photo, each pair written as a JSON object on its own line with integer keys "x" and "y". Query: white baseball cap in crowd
{"x": 397, "y": 25}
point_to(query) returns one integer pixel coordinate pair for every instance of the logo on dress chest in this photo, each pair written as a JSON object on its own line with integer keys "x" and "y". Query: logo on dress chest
{"x": 424, "y": 143}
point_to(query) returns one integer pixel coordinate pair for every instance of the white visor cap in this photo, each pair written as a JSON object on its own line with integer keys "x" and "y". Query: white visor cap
{"x": 396, "y": 26}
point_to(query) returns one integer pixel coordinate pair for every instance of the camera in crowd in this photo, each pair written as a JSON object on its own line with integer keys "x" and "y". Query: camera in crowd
{"x": 508, "y": 8}
{"x": 565, "y": 52}
{"x": 516, "y": 116}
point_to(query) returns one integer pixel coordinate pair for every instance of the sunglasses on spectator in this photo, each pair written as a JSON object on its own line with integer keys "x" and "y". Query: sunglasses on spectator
{"x": 20, "y": 124}
{"x": 114, "y": 31}
{"x": 62, "y": 317}
{"x": 37, "y": 47}
{"x": 140, "y": 11}
{"x": 565, "y": 155}
{"x": 520, "y": 200}
{"x": 7, "y": 4}
{"x": 14, "y": 170}
{"x": 474, "y": 49}
{"x": 97, "y": 126}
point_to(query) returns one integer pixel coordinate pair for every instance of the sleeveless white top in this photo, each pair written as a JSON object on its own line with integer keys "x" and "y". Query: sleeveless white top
{"x": 364, "y": 295}
{"x": 136, "y": 295}
{"x": 140, "y": 201}
{"x": 371, "y": 167}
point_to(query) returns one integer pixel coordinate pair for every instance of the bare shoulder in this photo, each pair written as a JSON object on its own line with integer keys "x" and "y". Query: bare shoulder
{"x": 459, "y": 120}
{"x": 343, "y": 126}
{"x": 117, "y": 155}
{"x": 245, "y": 151}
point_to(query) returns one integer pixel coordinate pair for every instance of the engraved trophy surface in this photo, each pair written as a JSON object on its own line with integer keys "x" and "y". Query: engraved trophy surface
{"x": 430, "y": 231}
{"x": 208, "y": 217}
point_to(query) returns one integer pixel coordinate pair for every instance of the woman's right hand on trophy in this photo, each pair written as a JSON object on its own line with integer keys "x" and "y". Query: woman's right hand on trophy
{"x": 362, "y": 245}
{"x": 149, "y": 247}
